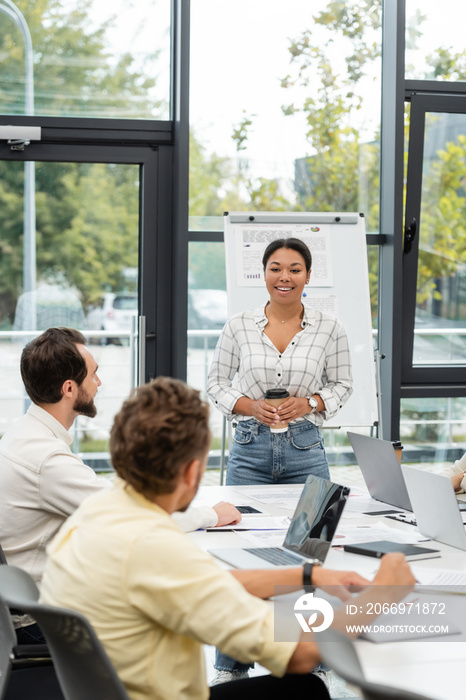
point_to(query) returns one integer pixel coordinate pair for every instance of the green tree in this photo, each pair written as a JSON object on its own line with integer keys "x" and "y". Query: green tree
{"x": 74, "y": 72}
{"x": 443, "y": 248}
{"x": 329, "y": 182}
{"x": 86, "y": 214}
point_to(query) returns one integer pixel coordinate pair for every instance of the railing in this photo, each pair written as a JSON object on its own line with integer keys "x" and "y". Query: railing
{"x": 118, "y": 371}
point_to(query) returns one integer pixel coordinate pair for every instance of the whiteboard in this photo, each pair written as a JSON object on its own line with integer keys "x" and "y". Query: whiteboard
{"x": 339, "y": 284}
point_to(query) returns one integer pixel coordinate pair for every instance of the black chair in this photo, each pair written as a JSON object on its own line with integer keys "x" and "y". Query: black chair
{"x": 22, "y": 678}
{"x": 27, "y": 651}
{"x": 338, "y": 652}
{"x": 83, "y": 668}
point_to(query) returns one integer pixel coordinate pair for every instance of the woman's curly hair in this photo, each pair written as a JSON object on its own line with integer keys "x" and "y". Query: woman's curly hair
{"x": 159, "y": 429}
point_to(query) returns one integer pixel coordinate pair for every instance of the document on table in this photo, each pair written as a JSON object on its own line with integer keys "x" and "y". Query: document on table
{"x": 353, "y": 534}
{"x": 254, "y": 522}
{"x": 286, "y": 496}
{"x": 445, "y": 581}
{"x": 264, "y": 538}
{"x": 365, "y": 504}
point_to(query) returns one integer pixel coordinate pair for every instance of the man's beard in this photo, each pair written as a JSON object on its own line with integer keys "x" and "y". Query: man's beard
{"x": 185, "y": 506}
{"x": 84, "y": 405}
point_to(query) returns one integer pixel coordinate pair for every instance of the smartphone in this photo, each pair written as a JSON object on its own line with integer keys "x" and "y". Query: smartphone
{"x": 247, "y": 509}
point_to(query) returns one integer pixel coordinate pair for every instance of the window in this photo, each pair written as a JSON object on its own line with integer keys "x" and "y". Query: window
{"x": 86, "y": 59}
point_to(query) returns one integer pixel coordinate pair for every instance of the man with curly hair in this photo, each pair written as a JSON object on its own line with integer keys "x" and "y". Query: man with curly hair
{"x": 153, "y": 597}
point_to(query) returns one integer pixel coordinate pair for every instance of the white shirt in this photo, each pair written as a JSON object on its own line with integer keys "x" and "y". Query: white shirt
{"x": 247, "y": 363}
{"x": 42, "y": 482}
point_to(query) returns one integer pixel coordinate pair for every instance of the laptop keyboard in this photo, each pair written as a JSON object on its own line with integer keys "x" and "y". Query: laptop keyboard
{"x": 275, "y": 555}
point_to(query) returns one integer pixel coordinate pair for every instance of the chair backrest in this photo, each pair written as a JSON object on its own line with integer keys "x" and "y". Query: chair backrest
{"x": 7, "y": 642}
{"x": 338, "y": 652}
{"x": 16, "y": 583}
{"x": 83, "y": 668}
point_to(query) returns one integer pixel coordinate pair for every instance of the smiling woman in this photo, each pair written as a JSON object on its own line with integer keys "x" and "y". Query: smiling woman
{"x": 284, "y": 345}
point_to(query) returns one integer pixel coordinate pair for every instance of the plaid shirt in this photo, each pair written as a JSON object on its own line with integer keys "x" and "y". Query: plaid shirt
{"x": 316, "y": 361}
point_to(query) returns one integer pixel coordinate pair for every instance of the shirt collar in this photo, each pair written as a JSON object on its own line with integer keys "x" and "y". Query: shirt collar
{"x": 139, "y": 498}
{"x": 260, "y": 319}
{"x": 50, "y": 422}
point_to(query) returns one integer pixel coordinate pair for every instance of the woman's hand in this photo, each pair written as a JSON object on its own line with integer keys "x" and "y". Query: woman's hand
{"x": 293, "y": 408}
{"x": 289, "y": 410}
{"x": 264, "y": 412}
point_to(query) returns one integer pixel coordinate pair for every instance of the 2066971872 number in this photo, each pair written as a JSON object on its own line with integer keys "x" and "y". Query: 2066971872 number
{"x": 402, "y": 608}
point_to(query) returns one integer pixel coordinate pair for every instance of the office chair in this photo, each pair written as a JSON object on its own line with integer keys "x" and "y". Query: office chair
{"x": 23, "y": 677}
{"x": 339, "y": 654}
{"x": 83, "y": 668}
{"x": 27, "y": 651}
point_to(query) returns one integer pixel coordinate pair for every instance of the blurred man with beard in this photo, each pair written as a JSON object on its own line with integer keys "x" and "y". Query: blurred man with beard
{"x": 41, "y": 481}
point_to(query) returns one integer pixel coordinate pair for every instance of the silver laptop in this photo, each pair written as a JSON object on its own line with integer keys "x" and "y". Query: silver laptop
{"x": 435, "y": 506}
{"x": 381, "y": 470}
{"x": 309, "y": 535}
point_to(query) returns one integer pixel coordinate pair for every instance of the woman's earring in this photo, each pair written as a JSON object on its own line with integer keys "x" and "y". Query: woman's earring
{"x": 307, "y": 281}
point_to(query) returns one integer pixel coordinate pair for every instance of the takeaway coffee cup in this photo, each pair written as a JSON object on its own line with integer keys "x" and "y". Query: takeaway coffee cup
{"x": 275, "y": 397}
{"x": 398, "y": 447}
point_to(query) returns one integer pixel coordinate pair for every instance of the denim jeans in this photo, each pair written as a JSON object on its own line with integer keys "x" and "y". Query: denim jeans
{"x": 259, "y": 456}
{"x": 31, "y": 634}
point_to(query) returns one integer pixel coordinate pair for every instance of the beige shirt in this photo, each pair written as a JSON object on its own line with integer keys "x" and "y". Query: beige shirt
{"x": 41, "y": 483}
{"x": 154, "y": 597}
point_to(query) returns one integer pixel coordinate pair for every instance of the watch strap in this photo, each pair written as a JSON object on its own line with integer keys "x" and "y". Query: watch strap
{"x": 307, "y": 577}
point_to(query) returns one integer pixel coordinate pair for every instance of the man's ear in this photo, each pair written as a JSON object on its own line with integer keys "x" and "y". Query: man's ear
{"x": 68, "y": 388}
{"x": 190, "y": 473}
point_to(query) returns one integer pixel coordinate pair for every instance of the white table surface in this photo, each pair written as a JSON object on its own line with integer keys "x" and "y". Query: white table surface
{"x": 434, "y": 668}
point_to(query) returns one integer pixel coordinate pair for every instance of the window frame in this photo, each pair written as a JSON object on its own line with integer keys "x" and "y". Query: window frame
{"x": 425, "y": 380}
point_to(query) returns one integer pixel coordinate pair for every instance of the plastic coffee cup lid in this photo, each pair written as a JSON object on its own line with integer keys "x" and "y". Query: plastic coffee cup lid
{"x": 276, "y": 394}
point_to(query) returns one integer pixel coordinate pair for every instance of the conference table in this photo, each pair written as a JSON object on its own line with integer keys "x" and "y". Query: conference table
{"x": 433, "y": 666}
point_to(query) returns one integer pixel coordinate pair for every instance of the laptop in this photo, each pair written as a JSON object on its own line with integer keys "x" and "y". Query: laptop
{"x": 435, "y": 506}
{"x": 381, "y": 470}
{"x": 309, "y": 535}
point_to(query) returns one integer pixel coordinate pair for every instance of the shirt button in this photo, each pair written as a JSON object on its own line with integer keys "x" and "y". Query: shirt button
{"x": 279, "y": 375}
{"x": 280, "y": 357}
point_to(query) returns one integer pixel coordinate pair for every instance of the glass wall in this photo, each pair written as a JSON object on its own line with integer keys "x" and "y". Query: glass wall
{"x": 434, "y": 296}
{"x": 440, "y": 322}
{"x": 85, "y": 58}
{"x": 77, "y": 266}
{"x": 433, "y": 430}
{"x": 435, "y": 40}
{"x": 285, "y": 118}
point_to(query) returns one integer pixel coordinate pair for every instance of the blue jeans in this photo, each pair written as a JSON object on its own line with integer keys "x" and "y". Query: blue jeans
{"x": 259, "y": 456}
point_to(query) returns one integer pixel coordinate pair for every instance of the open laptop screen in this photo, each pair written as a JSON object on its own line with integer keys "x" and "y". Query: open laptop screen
{"x": 316, "y": 517}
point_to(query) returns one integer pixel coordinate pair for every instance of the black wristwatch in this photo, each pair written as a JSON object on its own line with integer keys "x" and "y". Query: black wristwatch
{"x": 307, "y": 575}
